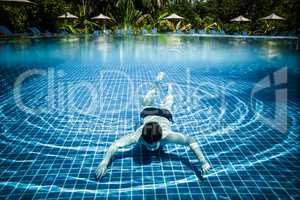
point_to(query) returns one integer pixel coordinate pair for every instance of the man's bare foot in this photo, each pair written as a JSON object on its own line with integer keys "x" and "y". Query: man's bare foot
{"x": 170, "y": 88}
{"x": 160, "y": 76}
{"x": 205, "y": 167}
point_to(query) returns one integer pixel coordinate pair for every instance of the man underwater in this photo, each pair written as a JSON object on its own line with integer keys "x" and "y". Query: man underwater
{"x": 155, "y": 131}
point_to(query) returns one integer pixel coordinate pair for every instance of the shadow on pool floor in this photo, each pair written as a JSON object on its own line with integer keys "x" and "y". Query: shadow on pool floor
{"x": 142, "y": 156}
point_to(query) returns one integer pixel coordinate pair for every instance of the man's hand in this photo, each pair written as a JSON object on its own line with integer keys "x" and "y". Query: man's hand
{"x": 101, "y": 170}
{"x": 121, "y": 142}
{"x": 205, "y": 167}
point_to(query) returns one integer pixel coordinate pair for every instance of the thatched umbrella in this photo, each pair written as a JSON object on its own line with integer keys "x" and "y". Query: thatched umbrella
{"x": 174, "y": 17}
{"x": 271, "y": 18}
{"x": 240, "y": 19}
{"x": 102, "y": 18}
{"x": 67, "y": 15}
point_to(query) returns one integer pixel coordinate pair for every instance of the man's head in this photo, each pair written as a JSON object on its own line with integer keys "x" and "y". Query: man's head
{"x": 151, "y": 132}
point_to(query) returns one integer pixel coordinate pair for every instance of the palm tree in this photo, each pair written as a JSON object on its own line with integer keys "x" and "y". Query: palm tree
{"x": 128, "y": 15}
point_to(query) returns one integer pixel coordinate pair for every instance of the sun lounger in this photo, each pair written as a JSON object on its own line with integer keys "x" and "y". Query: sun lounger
{"x": 192, "y": 31}
{"x": 119, "y": 32}
{"x": 178, "y": 31}
{"x": 144, "y": 31}
{"x": 5, "y": 31}
{"x": 96, "y": 33}
{"x": 201, "y": 31}
{"x": 244, "y": 33}
{"x": 106, "y": 31}
{"x": 129, "y": 31}
{"x": 34, "y": 31}
{"x": 63, "y": 32}
{"x": 154, "y": 30}
{"x": 222, "y": 32}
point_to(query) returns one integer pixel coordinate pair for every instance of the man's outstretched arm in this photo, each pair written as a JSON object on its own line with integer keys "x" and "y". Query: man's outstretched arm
{"x": 122, "y": 142}
{"x": 178, "y": 138}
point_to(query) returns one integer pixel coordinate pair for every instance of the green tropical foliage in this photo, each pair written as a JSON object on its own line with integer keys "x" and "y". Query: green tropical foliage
{"x": 148, "y": 14}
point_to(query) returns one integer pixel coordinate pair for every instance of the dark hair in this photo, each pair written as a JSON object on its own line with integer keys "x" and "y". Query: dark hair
{"x": 151, "y": 132}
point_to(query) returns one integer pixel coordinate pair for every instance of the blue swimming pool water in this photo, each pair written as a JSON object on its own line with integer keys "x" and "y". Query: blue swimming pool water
{"x": 89, "y": 92}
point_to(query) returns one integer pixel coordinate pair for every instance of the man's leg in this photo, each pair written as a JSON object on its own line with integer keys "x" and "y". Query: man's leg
{"x": 167, "y": 103}
{"x": 150, "y": 96}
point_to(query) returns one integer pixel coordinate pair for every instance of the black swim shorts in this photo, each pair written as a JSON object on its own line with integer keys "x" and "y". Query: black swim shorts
{"x": 152, "y": 111}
